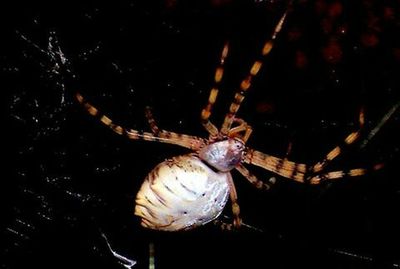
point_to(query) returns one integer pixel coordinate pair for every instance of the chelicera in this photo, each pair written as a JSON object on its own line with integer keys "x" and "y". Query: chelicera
{"x": 191, "y": 190}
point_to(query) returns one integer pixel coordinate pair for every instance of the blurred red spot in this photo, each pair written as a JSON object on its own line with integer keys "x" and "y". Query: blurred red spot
{"x": 388, "y": 13}
{"x": 335, "y": 9}
{"x": 369, "y": 40}
{"x": 301, "y": 59}
{"x": 265, "y": 107}
{"x": 170, "y": 3}
{"x": 332, "y": 53}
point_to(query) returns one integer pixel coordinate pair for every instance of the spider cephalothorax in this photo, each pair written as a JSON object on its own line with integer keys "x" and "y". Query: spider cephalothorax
{"x": 223, "y": 155}
{"x": 191, "y": 190}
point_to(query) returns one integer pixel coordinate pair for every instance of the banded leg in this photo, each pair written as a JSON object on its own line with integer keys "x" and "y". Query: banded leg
{"x": 246, "y": 83}
{"x": 152, "y": 122}
{"x": 252, "y": 178}
{"x": 297, "y": 171}
{"x": 237, "y": 221}
{"x": 360, "y": 171}
{"x": 183, "y": 140}
{"x": 280, "y": 166}
{"x": 242, "y": 127}
{"x": 163, "y": 133}
{"x": 335, "y": 152}
{"x": 206, "y": 112}
{"x": 319, "y": 178}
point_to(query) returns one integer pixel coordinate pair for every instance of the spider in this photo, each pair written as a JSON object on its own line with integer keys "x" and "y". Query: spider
{"x": 191, "y": 190}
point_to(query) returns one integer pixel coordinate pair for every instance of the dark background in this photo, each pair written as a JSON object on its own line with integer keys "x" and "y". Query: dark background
{"x": 67, "y": 179}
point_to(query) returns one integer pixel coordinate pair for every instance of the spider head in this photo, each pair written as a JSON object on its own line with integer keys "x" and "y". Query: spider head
{"x": 223, "y": 155}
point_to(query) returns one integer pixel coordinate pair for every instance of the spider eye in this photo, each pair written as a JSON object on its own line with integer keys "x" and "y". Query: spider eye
{"x": 239, "y": 145}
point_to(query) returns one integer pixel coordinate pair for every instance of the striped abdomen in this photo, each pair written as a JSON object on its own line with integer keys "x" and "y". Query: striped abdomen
{"x": 181, "y": 193}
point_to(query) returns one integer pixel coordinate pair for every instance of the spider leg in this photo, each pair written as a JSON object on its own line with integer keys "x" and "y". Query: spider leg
{"x": 280, "y": 166}
{"x": 237, "y": 221}
{"x": 293, "y": 170}
{"x": 161, "y": 132}
{"x": 319, "y": 178}
{"x": 152, "y": 122}
{"x": 298, "y": 171}
{"x": 183, "y": 140}
{"x": 242, "y": 127}
{"x": 206, "y": 112}
{"x": 259, "y": 184}
{"x": 246, "y": 83}
{"x": 335, "y": 152}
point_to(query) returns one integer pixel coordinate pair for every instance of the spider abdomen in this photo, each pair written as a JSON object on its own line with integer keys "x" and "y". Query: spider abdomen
{"x": 181, "y": 193}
